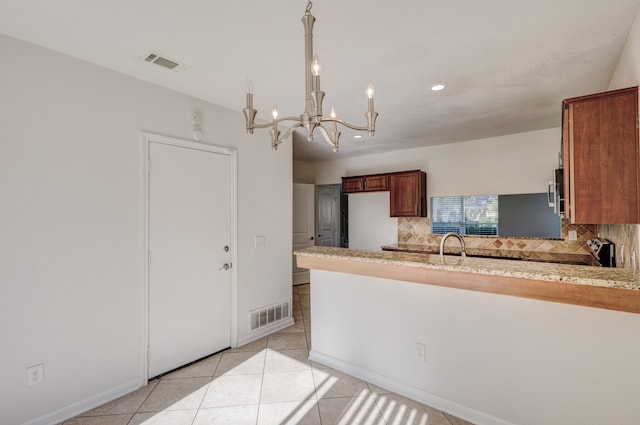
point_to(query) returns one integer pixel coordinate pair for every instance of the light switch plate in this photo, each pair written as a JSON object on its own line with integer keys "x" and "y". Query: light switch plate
{"x": 260, "y": 242}
{"x": 573, "y": 235}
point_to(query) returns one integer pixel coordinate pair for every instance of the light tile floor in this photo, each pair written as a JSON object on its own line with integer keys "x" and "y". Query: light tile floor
{"x": 269, "y": 381}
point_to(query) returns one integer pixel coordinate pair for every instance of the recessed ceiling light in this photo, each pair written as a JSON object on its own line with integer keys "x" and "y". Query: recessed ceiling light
{"x": 358, "y": 136}
{"x": 438, "y": 87}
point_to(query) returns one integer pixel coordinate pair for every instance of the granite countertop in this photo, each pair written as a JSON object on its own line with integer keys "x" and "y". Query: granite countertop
{"x": 543, "y": 271}
{"x": 542, "y": 256}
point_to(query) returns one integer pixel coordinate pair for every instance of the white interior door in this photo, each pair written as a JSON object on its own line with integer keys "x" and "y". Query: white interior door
{"x": 328, "y": 209}
{"x": 189, "y": 202}
{"x": 303, "y": 226}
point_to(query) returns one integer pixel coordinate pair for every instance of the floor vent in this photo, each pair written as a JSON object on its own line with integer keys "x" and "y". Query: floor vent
{"x": 163, "y": 61}
{"x": 269, "y": 315}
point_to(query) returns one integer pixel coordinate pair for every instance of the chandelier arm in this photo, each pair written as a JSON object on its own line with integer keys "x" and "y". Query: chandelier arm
{"x": 273, "y": 122}
{"x": 290, "y": 130}
{"x": 346, "y": 124}
{"x": 328, "y": 138}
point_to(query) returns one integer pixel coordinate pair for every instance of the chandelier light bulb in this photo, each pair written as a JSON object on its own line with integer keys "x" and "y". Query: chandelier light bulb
{"x": 315, "y": 66}
{"x": 370, "y": 91}
{"x": 333, "y": 112}
{"x": 274, "y": 112}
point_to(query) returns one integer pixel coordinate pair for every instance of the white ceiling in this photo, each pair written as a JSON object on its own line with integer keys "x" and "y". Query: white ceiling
{"x": 508, "y": 64}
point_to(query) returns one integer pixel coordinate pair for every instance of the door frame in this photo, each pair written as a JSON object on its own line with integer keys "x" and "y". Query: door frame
{"x": 311, "y": 214}
{"x": 147, "y": 138}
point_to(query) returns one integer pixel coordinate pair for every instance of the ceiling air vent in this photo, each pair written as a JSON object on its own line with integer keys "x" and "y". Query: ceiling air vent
{"x": 163, "y": 61}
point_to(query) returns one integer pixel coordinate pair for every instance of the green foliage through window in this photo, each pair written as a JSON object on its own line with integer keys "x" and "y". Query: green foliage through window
{"x": 466, "y": 215}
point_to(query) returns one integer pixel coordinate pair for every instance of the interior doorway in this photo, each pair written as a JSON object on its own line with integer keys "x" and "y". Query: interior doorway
{"x": 331, "y": 225}
{"x": 344, "y": 219}
{"x": 303, "y": 226}
{"x": 190, "y": 195}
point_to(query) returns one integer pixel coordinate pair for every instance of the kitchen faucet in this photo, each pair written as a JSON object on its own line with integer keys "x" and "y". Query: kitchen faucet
{"x": 444, "y": 238}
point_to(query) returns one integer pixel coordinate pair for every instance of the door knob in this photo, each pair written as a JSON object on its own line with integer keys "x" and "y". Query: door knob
{"x": 226, "y": 248}
{"x": 311, "y": 238}
{"x": 225, "y": 267}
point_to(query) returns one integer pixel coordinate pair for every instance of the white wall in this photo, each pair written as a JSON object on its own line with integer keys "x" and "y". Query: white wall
{"x": 491, "y": 359}
{"x": 71, "y": 260}
{"x": 370, "y": 226}
{"x": 517, "y": 163}
{"x": 627, "y": 72}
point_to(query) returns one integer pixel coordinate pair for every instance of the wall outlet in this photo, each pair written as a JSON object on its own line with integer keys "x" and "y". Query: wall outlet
{"x": 573, "y": 235}
{"x": 260, "y": 242}
{"x": 35, "y": 375}
{"x": 420, "y": 351}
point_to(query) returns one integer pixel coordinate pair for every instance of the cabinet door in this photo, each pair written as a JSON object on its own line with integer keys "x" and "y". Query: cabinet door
{"x": 408, "y": 194}
{"x": 603, "y": 158}
{"x": 376, "y": 182}
{"x": 352, "y": 184}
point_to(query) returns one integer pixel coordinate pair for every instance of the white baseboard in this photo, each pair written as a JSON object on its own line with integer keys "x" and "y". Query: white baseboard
{"x": 437, "y": 402}
{"x": 267, "y": 330}
{"x": 85, "y": 405}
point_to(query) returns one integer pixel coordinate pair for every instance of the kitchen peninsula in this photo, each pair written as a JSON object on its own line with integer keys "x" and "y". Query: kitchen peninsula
{"x": 493, "y": 341}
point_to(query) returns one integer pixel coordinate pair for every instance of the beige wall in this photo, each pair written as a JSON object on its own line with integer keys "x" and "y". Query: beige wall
{"x": 304, "y": 172}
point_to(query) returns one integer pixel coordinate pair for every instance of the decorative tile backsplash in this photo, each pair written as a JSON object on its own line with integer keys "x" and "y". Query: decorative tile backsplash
{"x": 417, "y": 231}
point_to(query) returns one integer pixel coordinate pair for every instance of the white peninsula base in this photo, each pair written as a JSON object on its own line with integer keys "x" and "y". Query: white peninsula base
{"x": 488, "y": 358}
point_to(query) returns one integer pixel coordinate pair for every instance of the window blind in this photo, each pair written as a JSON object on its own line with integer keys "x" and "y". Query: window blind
{"x": 466, "y": 215}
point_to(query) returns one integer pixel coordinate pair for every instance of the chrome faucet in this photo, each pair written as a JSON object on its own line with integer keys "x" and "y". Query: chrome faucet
{"x": 444, "y": 238}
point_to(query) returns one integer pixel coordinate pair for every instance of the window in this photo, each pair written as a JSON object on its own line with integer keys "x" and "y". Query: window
{"x": 466, "y": 215}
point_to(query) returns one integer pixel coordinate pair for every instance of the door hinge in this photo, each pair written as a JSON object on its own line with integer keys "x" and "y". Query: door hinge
{"x": 149, "y": 166}
{"x": 149, "y": 257}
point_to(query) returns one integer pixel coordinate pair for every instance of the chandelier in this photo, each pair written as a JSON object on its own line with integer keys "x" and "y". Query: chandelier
{"x": 312, "y": 117}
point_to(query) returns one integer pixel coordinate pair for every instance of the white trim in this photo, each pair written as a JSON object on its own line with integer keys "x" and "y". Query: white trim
{"x": 423, "y": 397}
{"x": 85, "y": 405}
{"x": 147, "y": 138}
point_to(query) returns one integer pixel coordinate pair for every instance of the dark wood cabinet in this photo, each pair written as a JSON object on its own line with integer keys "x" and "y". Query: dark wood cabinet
{"x": 408, "y": 194}
{"x": 352, "y": 184}
{"x": 407, "y": 190}
{"x": 376, "y": 182}
{"x": 601, "y": 158}
{"x": 369, "y": 183}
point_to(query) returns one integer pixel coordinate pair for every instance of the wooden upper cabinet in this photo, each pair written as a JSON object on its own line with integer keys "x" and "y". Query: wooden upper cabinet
{"x": 601, "y": 158}
{"x": 408, "y": 190}
{"x": 369, "y": 183}
{"x": 352, "y": 184}
{"x": 408, "y": 194}
{"x": 376, "y": 182}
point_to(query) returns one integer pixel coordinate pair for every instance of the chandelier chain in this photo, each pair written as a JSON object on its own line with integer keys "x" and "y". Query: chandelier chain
{"x": 309, "y": 6}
